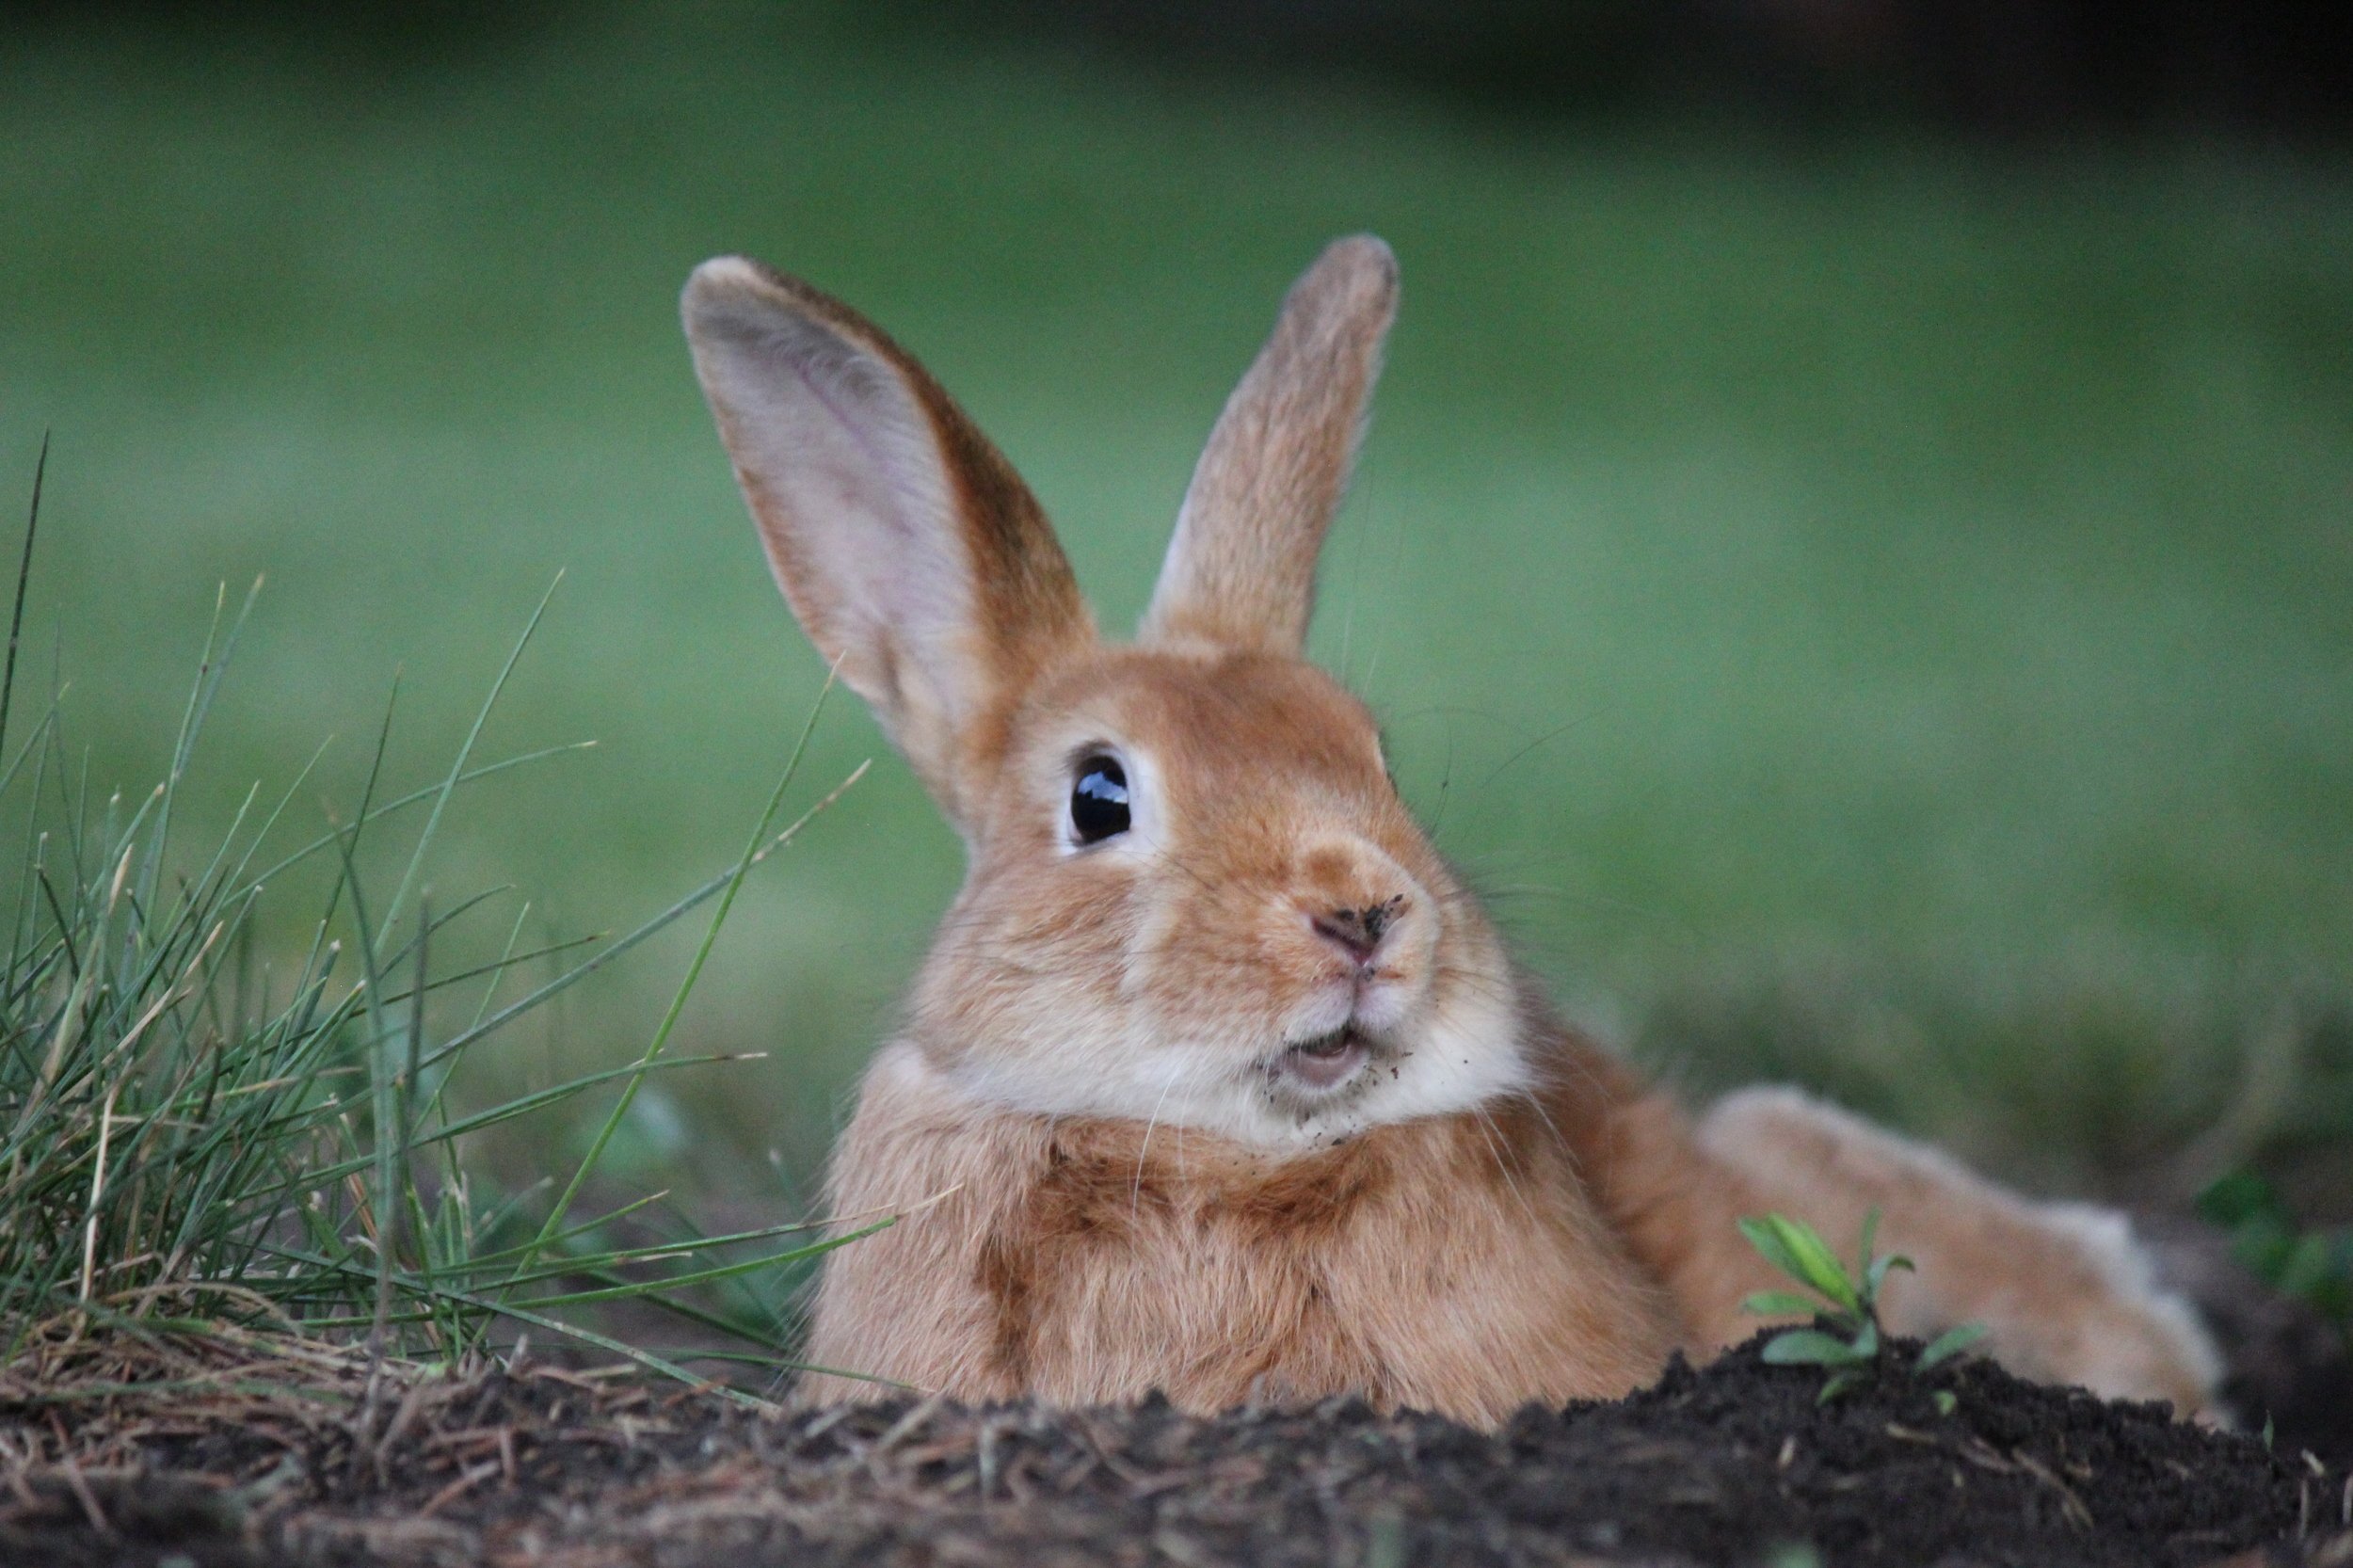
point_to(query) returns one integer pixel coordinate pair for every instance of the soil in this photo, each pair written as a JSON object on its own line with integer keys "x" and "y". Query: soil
{"x": 2286, "y": 1363}
{"x": 248, "y": 1462}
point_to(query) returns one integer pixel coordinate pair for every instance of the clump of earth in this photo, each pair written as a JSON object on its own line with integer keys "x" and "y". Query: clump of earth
{"x": 1736, "y": 1462}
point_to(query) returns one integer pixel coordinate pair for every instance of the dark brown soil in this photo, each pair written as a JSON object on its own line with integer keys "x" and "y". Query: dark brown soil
{"x": 1734, "y": 1464}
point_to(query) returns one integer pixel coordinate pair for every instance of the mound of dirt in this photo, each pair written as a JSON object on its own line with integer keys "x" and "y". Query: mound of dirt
{"x": 1733, "y": 1464}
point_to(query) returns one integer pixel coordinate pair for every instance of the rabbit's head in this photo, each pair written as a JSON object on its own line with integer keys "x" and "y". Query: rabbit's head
{"x": 1193, "y": 897}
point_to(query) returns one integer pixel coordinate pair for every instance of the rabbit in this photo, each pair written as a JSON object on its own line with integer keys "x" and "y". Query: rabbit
{"x": 1217, "y": 1081}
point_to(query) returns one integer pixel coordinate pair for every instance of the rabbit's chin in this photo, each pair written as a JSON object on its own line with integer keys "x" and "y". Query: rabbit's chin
{"x": 1295, "y": 1095}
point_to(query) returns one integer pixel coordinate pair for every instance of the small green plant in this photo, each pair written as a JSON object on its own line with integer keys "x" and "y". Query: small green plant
{"x": 1846, "y": 1338}
{"x": 2314, "y": 1266}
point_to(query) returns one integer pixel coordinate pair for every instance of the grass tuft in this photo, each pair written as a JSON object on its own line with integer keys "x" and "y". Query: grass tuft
{"x": 197, "y": 1140}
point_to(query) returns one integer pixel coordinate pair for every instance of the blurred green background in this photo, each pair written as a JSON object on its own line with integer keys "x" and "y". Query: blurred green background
{"x": 1869, "y": 599}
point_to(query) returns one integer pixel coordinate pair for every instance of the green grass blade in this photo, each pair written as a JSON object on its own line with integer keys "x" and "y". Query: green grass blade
{"x": 465, "y": 753}
{"x": 376, "y": 813}
{"x": 694, "y": 972}
{"x": 24, "y": 581}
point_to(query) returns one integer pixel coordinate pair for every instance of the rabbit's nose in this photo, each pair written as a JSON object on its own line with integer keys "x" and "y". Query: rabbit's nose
{"x": 1358, "y": 931}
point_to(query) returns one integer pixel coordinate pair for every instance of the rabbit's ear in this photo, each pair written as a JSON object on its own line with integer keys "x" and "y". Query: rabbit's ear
{"x": 1241, "y": 569}
{"x": 906, "y": 543}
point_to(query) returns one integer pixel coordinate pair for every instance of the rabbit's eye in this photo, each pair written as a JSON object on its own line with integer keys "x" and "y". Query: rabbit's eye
{"x": 1099, "y": 801}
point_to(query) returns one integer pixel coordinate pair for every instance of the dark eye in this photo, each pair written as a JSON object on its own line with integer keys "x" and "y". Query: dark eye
{"x": 1099, "y": 801}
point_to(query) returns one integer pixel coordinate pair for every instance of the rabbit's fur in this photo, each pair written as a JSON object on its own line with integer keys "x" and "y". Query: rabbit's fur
{"x": 1247, "y": 1101}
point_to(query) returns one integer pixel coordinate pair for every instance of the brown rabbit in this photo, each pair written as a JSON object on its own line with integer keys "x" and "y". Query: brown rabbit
{"x": 1229, "y": 1084}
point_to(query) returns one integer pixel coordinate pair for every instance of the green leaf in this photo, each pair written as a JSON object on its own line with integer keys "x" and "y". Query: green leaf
{"x": 1945, "y": 1400}
{"x": 1820, "y": 1266}
{"x": 1876, "y": 1274}
{"x": 2237, "y": 1197}
{"x": 1778, "y": 1303}
{"x": 1798, "y": 1251}
{"x": 1805, "y": 1347}
{"x": 1767, "y": 1242}
{"x": 1950, "y": 1343}
{"x": 1837, "y": 1384}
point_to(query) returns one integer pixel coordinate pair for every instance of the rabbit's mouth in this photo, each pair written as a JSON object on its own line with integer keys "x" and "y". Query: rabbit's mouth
{"x": 1325, "y": 1062}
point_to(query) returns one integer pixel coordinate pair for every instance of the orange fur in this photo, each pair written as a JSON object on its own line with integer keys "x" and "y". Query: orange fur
{"x": 1444, "y": 1265}
{"x": 1242, "y": 564}
{"x": 1243, "y": 1098}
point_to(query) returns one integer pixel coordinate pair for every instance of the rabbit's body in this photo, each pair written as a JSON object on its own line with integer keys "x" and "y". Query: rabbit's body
{"x": 1445, "y": 1263}
{"x": 1217, "y": 1081}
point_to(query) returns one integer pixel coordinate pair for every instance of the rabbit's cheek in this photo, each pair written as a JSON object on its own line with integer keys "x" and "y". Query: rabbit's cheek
{"x": 1464, "y": 1052}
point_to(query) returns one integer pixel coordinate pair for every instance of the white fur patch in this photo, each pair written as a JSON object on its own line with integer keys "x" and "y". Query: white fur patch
{"x": 1466, "y": 1056}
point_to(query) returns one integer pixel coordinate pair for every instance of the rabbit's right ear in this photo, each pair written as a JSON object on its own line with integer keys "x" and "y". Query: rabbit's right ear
{"x": 904, "y": 542}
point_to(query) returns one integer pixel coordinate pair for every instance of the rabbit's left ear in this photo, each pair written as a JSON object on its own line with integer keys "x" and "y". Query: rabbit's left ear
{"x": 1241, "y": 569}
